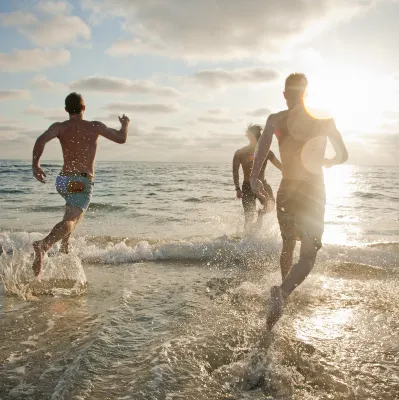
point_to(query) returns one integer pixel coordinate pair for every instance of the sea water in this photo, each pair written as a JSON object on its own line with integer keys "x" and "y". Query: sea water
{"x": 163, "y": 297}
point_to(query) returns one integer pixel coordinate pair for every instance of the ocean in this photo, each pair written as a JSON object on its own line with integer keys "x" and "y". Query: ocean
{"x": 163, "y": 297}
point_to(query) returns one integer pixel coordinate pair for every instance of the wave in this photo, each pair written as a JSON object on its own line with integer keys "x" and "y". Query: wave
{"x": 105, "y": 207}
{"x": 93, "y": 207}
{"x": 202, "y": 199}
{"x": 225, "y": 250}
{"x": 392, "y": 247}
{"x": 13, "y": 191}
{"x": 378, "y": 196}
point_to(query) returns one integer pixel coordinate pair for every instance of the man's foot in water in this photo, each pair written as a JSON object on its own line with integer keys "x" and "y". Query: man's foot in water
{"x": 275, "y": 306}
{"x": 262, "y": 211}
{"x": 38, "y": 257}
{"x": 64, "y": 248}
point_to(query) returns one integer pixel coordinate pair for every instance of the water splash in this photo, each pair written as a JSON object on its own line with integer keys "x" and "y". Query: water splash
{"x": 62, "y": 274}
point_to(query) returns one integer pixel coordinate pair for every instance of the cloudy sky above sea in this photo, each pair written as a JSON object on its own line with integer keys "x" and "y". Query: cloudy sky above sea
{"x": 192, "y": 74}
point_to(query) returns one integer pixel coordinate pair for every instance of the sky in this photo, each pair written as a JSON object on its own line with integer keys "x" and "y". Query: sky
{"x": 191, "y": 75}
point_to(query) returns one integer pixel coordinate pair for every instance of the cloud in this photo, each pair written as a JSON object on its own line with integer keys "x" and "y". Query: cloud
{"x": 222, "y": 29}
{"x": 215, "y": 111}
{"x": 11, "y": 129}
{"x": 215, "y": 120}
{"x": 166, "y": 129}
{"x": 54, "y": 7}
{"x": 391, "y": 115}
{"x": 42, "y": 83}
{"x": 109, "y": 84}
{"x": 17, "y": 18}
{"x": 143, "y": 108}
{"x": 60, "y": 30}
{"x": 239, "y": 76}
{"x": 8, "y": 128}
{"x": 260, "y": 112}
{"x": 214, "y": 140}
{"x": 14, "y": 94}
{"x": 33, "y": 60}
{"x": 55, "y": 30}
{"x": 52, "y": 114}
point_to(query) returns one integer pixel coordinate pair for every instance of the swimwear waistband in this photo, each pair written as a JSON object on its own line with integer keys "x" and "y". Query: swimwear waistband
{"x": 82, "y": 174}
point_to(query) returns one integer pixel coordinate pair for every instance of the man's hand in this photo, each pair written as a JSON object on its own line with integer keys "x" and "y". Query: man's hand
{"x": 124, "y": 120}
{"x": 257, "y": 189}
{"x": 328, "y": 163}
{"x": 39, "y": 174}
{"x": 239, "y": 193}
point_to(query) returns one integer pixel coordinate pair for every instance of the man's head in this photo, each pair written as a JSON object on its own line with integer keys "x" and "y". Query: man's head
{"x": 74, "y": 103}
{"x": 253, "y": 133}
{"x": 295, "y": 88}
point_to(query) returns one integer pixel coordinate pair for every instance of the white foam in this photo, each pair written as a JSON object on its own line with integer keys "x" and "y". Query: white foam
{"x": 15, "y": 267}
{"x": 61, "y": 273}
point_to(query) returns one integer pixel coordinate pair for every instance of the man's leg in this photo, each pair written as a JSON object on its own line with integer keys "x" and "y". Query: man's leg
{"x": 65, "y": 240}
{"x": 65, "y": 243}
{"x": 295, "y": 277}
{"x": 287, "y": 256}
{"x": 62, "y": 229}
{"x": 302, "y": 268}
{"x": 249, "y": 205}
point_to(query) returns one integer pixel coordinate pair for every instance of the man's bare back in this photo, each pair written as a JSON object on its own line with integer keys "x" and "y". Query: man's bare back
{"x": 302, "y": 151}
{"x": 246, "y": 156}
{"x": 78, "y": 139}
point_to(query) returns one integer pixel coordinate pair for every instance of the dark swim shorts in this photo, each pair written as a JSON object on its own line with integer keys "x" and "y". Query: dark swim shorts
{"x": 300, "y": 210}
{"x": 249, "y": 199}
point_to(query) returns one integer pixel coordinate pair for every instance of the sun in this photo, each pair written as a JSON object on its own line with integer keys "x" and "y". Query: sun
{"x": 356, "y": 99}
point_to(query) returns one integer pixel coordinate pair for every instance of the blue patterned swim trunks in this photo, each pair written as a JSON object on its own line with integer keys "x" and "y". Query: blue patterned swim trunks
{"x": 75, "y": 189}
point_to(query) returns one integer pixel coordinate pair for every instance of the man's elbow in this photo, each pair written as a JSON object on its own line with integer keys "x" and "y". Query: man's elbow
{"x": 40, "y": 142}
{"x": 122, "y": 140}
{"x": 344, "y": 157}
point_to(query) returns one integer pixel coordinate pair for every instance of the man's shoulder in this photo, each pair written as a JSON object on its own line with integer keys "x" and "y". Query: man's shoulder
{"x": 278, "y": 115}
{"x": 58, "y": 124}
{"x": 245, "y": 149}
{"x": 97, "y": 124}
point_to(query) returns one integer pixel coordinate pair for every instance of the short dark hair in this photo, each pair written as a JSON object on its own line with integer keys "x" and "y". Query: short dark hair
{"x": 256, "y": 130}
{"x": 296, "y": 82}
{"x": 74, "y": 103}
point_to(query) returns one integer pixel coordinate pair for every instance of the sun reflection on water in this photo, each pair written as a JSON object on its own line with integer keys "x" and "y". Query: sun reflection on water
{"x": 325, "y": 324}
{"x": 339, "y": 182}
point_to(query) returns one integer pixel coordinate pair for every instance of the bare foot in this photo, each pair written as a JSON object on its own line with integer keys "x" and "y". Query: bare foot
{"x": 64, "y": 248}
{"x": 38, "y": 261}
{"x": 275, "y": 307}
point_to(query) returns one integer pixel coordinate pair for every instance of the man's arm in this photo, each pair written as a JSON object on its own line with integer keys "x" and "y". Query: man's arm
{"x": 113, "y": 134}
{"x": 341, "y": 153}
{"x": 51, "y": 133}
{"x": 236, "y": 176}
{"x": 261, "y": 154}
{"x": 274, "y": 160}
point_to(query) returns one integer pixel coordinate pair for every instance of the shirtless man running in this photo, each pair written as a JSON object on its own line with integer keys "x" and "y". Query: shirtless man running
{"x": 302, "y": 141}
{"x": 245, "y": 158}
{"x": 78, "y": 140}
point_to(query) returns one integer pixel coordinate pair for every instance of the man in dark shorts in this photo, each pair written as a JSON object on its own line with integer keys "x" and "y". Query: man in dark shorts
{"x": 78, "y": 139}
{"x": 302, "y": 141}
{"x": 245, "y": 157}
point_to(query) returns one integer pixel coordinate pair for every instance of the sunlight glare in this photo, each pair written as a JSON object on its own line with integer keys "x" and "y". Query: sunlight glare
{"x": 357, "y": 100}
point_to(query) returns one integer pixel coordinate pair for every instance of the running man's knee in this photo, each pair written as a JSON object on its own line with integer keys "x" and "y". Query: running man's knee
{"x": 289, "y": 245}
{"x": 72, "y": 214}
